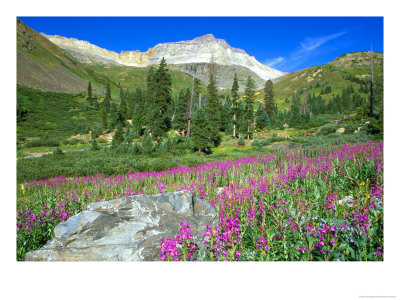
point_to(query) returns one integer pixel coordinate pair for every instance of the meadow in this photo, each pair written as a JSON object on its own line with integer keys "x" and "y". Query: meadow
{"x": 306, "y": 204}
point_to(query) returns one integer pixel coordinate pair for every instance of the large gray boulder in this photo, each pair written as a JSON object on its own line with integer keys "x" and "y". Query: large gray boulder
{"x": 126, "y": 229}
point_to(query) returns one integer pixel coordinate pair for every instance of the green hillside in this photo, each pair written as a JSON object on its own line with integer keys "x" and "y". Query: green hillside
{"x": 135, "y": 77}
{"x": 51, "y": 115}
{"x": 329, "y": 79}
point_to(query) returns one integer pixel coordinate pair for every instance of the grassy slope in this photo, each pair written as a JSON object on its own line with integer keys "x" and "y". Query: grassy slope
{"x": 133, "y": 77}
{"x": 43, "y": 65}
{"x": 51, "y": 113}
{"x": 331, "y": 74}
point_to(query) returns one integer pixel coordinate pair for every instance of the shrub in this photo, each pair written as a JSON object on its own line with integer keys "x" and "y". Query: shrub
{"x": 328, "y": 129}
{"x": 58, "y": 151}
{"x": 241, "y": 141}
{"x": 42, "y": 143}
{"x": 350, "y": 128}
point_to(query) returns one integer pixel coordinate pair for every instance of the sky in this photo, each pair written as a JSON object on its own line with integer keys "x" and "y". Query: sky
{"x": 284, "y": 43}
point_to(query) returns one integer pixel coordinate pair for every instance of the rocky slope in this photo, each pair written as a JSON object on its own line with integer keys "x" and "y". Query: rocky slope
{"x": 43, "y": 65}
{"x": 202, "y": 49}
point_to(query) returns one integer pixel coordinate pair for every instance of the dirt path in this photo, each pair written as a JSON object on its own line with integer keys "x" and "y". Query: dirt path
{"x": 33, "y": 154}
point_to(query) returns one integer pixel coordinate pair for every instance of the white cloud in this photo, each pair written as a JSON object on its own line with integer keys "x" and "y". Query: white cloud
{"x": 307, "y": 47}
{"x": 310, "y": 43}
{"x": 274, "y": 61}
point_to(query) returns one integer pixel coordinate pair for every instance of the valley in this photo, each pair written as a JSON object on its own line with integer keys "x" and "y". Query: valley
{"x": 274, "y": 153}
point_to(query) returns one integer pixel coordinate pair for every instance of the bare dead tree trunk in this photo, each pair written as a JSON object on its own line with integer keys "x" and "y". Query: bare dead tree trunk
{"x": 234, "y": 125}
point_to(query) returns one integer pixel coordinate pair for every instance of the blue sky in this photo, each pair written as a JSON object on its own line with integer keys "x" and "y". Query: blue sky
{"x": 285, "y": 43}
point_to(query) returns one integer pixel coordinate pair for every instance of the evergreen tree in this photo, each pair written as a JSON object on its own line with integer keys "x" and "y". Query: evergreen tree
{"x": 103, "y": 118}
{"x": 118, "y": 137}
{"x": 162, "y": 100}
{"x": 294, "y": 118}
{"x": 149, "y": 97}
{"x": 94, "y": 135}
{"x": 129, "y": 134}
{"x": 226, "y": 113}
{"x": 249, "y": 97}
{"x": 147, "y": 143}
{"x": 89, "y": 91}
{"x": 213, "y": 108}
{"x": 107, "y": 98}
{"x": 115, "y": 117}
{"x": 138, "y": 119}
{"x": 235, "y": 103}
{"x": 181, "y": 109}
{"x": 269, "y": 102}
{"x": 197, "y": 90}
{"x": 200, "y": 130}
{"x": 262, "y": 120}
{"x": 122, "y": 106}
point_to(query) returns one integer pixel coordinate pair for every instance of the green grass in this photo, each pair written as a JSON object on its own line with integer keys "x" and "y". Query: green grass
{"x": 135, "y": 77}
{"x": 332, "y": 74}
{"x": 54, "y": 114}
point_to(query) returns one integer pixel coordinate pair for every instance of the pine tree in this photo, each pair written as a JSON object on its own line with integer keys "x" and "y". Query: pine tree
{"x": 137, "y": 118}
{"x": 212, "y": 108}
{"x": 200, "y": 131}
{"x": 262, "y": 120}
{"x": 235, "y": 103}
{"x": 147, "y": 143}
{"x": 269, "y": 102}
{"x": 118, "y": 137}
{"x": 115, "y": 117}
{"x": 162, "y": 100}
{"x": 249, "y": 97}
{"x": 89, "y": 91}
{"x": 149, "y": 97}
{"x": 122, "y": 106}
{"x": 107, "y": 98}
{"x": 226, "y": 113}
{"x": 197, "y": 90}
{"x": 103, "y": 118}
{"x": 181, "y": 109}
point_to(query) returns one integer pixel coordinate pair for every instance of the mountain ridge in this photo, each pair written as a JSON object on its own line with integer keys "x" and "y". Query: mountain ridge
{"x": 203, "y": 49}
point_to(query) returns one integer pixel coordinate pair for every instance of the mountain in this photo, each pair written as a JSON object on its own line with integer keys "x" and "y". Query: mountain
{"x": 203, "y": 49}
{"x": 43, "y": 65}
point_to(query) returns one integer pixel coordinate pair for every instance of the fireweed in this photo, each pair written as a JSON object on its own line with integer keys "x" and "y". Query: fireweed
{"x": 285, "y": 206}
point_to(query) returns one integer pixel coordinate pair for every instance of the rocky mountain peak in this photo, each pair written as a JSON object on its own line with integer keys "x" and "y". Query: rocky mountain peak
{"x": 198, "y": 50}
{"x": 205, "y": 38}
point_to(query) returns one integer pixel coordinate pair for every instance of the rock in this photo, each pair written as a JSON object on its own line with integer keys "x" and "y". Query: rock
{"x": 341, "y": 130}
{"x": 220, "y": 190}
{"x": 347, "y": 200}
{"x": 126, "y": 229}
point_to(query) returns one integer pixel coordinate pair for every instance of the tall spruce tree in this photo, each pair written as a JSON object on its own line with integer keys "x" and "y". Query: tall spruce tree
{"x": 162, "y": 100}
{"x": 107, "y": 98}
{"x": 103, "y": 118}
{"x": 138, "y": 118}
{"x": 213, "y": 111}
{"x": 269, "y": 102}
{"x": 122, "y": 106}
{"x": 235, "y": 103}
{"x": 249, "y": 97}
{"x": 262, "y": 120}
{"x": 118, "y": 137}
{"x": 181, "y": 110}
{"x": 200, "y": 131}
{"x": 89, "y": 91}
{"x": 149, "y": 97}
